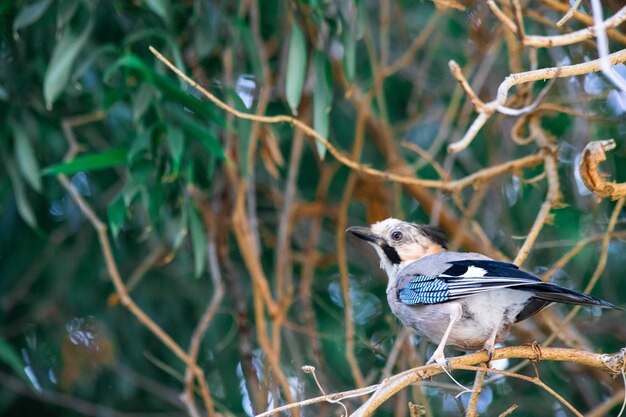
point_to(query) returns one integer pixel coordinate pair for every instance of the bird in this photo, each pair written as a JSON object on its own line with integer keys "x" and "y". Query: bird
{"x": 462, "y": 299}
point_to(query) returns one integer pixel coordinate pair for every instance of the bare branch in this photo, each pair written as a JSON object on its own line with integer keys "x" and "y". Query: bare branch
{"x": 526, "y": 77}
{"x": 593, "y": 155}
{"x": 389, "y": 387}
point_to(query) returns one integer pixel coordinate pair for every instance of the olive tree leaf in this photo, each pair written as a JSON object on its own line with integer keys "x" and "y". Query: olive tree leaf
{"x": 25, "y": 157}
{"x": 198, "y": 241}
{"x": 176, "y": 143}
{"x": 167, "y": 87}
{"x": 63, "y": 58}
{"x": 9, "y": 356}
{"x": 116, "y": 213}
{"x": 30, "y": 14}
{"x": 296, "y": 68}
{"x": 23, "y": 205}
{"x": 322, "y": 98}
{"x": 89, "y": 162}
{"x": 160, "y": 8}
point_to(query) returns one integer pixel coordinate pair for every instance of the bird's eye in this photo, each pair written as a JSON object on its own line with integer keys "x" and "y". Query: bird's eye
{"x": 396, "y": 235}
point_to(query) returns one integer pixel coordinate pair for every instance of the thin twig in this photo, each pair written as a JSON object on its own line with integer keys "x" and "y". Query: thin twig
{"x": 573, "y": 8}
{"x": 341, "y": 157}
{"x": 477, "y": 389}
{"x": 526, "y": 77}
{"x": 342, "y": 259}
{"x": 534, "y": 380}
{"x": 324, "y": 398}
{"x": 583, "y": 18}
{"x": 509, "y": 410}
{"x": 603, "y": 43}
{"x": 552, "y": 196}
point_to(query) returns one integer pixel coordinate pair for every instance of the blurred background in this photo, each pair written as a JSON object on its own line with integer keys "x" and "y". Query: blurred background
{"x": 229, "y": 235}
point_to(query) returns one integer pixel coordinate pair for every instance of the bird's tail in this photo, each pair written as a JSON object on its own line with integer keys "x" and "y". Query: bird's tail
{"x": 551, "y": 292}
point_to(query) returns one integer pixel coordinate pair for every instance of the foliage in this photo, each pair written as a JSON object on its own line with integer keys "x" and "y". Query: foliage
{"x": 196, "y": 199}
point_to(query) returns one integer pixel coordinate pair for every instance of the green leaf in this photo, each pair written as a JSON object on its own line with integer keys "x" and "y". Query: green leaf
{"x": 349, "y": 51}
{"x": 176, "y": 143}
{"x": 63, "y": 57}
{"x": 160, "y": 8}
{"x": 251, "y": 48}
{"x": 23, "y": 205}
{"x": 198, "y": 240}
{"x": 296, "y": 68}
{"x": 322, "y": 98}
{"x": 91, "y": 56}
{"x": 65, "y": 11}
{"x": 89, "y": 162}
{"x": 25, "y": 157}
{"x": 155, "y": 200}
{"x": 170, "y": 89}
{"x": 129, "y": 191}
{"x": 141, "y": 100}
{"x": 116, "y": 213}
{"x": 195, "y": 130}
{"x": 172, "y": 43}
{"x": 30, "y": 14}
{"x": 141, "y": 144}
{"x": 9, "y": 356}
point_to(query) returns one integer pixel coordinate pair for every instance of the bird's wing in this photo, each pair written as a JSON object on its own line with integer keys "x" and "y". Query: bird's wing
{"x": 464, "y": 278}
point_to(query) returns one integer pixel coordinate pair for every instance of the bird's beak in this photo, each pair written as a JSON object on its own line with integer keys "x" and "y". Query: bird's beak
{"x": 364, "y": 233}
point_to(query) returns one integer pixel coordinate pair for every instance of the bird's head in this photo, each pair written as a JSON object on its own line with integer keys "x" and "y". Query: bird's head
{"x": 398, "y": 242}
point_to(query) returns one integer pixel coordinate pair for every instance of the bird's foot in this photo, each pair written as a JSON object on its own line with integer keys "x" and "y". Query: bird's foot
{"x": 438, "y": 358}
{"x": 490, "y": 348}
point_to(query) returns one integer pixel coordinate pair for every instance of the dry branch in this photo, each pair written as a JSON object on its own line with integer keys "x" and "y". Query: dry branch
{"x": 593, "y": 155}
{"x": 537, "y": 41}
{"x": 512, "y": 80}
{"x": 389, "y": 387}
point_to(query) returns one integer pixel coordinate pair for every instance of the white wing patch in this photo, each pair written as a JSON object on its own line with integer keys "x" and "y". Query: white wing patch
{"x": 472, "y": 272}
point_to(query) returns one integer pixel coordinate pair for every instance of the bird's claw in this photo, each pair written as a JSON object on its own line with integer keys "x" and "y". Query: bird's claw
{"x": 489, "y": 356}
{"x": 439, "y": 359}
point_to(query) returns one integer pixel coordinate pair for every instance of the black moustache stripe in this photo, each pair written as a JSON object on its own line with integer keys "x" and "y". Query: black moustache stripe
{"x": 391, "y": 253}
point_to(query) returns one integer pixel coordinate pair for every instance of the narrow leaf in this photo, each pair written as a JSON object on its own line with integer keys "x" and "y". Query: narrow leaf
{"x": 196, "y": 130}
{"x": 296, "y": 68}
{"x": 116, "y": 213}
{"x": 63, "y": 57}
{"x": 65, "y": 11}
{"x": 176, "y": 143}
{"x": 30, "y": 14}
{"x": 322, "y": 99}
{"x": 160, "y": 8}
{"x": 10, "y": 357}
{"x": 141, "y": 100}
{"x": 23, "y": 205}
{"x": 169, "y": 88}
{"x": 90, "y": 162}
{"x": 251, "y": 48}
{"x": 198, "y": 240}
{"x": 349, "y": 51}
{"x": 25, "y": 156}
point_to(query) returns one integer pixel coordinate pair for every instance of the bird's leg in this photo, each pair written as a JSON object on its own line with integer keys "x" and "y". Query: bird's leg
{"x": 455, "y": 311}
{"x": 490, "y": 344}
